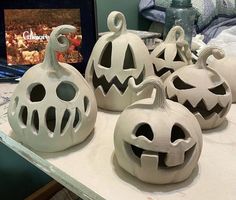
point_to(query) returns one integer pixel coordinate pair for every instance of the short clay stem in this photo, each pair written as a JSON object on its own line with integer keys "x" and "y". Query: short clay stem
{"x": 171, "y": 36}
{"x": 160, "y": 98}
{"x": 116, "y": 22}
{"x": 208, "y": 51}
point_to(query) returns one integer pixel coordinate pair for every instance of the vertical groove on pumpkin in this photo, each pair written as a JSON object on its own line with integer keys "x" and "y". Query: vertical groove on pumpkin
{"x": 15, "y": 104}
{"x": 86, "y": 104}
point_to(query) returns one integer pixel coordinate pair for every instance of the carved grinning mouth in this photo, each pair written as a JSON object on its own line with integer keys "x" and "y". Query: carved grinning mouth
{"x": 102, "y": 81}
{"x": 162, "y": 71}
{"x": 202, "y": 109}
{"x": 161, "y": 156}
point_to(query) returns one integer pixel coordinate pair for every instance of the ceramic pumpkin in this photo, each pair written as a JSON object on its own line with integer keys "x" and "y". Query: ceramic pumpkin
{"x": 53, "y": 107}
{"x": 158, "y": 141}
{"x": 202, "y": 90}
{"x": 226, "y": 67}
{"x": 171, "y": 54}
{"x": 115, "y": 58}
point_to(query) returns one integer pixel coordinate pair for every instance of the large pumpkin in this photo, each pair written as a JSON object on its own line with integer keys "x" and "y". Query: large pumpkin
{"x": 171, "y": 54}
{"x": 158, "y": 141}
{"x": 53, "y": 107}
{"x": 202, "y": 90}
{"x": 116, "y": 57}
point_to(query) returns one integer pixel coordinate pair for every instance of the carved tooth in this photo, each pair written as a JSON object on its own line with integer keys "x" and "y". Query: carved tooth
{"x": 175, "y": 158}
{"x": 149, "y": 161}
{"x": 224, "y": 101}
{"x": 210, "y": 104}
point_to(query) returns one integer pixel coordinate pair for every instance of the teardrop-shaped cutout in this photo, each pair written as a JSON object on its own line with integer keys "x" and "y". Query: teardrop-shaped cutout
{"x": 219, "y": 90}
{"x": 129, "y": 59}
{"x": 106, "y": 56}
{"x": 51, "y": 118}
{"x": 77, "y": 118}
{"x": 35, "y": 121}
{"x": 23, "y": 115}
{"x": 181, "y": 85}
{"x": 86, "y": 104}
{"x": 65, "y": 120}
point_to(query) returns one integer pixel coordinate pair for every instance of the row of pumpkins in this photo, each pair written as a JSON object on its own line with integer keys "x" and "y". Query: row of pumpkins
{"x": 156, "y": 139}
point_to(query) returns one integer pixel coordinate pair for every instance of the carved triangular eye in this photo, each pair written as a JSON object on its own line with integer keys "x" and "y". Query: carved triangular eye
{"x": 219, "y": 90}
{"x": 106, "y": 56}
{"x": 162, "y": 55}
{"x": 178, "y": 57}
{"x": 181, "y": 85}
{"x": 144, "y": 130}
{"x": 129, "y": 60}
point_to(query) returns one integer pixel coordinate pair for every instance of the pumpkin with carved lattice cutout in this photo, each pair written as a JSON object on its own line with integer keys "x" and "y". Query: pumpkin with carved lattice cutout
{"x": 53, "y": 107}
{"x": 116, "y": 57}
{"x": 171, "y": 54}
{"x": 158, "y": 141}
{"x": 202, "y": 90}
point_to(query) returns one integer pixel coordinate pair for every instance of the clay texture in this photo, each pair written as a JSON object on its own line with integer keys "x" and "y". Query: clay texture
{"x": 202, "y": 90}
{"x": 226, "y": 67}
{"x": 53, "y": 107}
{"x": 171, "y": 54}
{"x": 115, "y": 58}
{"x": 157, "y": 140}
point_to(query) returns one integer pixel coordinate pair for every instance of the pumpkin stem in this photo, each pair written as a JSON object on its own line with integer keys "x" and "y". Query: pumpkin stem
{"x": 208, "y": 51}
{"x": 116, "y": 22}
{"x": 176, "y": 33}
{"x": 160, "y": 97}
{"x": 57, "y": 42}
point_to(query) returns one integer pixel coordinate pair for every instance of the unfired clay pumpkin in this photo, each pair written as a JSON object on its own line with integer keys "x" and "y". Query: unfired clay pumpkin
{"x": 53, "y": 107}
{"x": 172, "y": 54}
{"x": 158, "y": 141}
{"x": 202, "y": 90}
{"x": 116, "y": 57}
{"x": 227, "y": 68}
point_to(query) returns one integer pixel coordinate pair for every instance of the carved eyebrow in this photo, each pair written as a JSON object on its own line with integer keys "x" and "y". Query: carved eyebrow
{"x": 219, "y": 90}
{"x": 181, "y": 85}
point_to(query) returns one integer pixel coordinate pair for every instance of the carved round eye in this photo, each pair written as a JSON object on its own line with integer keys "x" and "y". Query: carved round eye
{"x": 219, "y": 90}
{"x": 145, "y": 130}
{"x": 181, "y": 85}
{"x": 105, "y": 60}
{"x": 129, "y": 60}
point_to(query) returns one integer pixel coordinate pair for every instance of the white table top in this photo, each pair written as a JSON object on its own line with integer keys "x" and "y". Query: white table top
{"x": 91, "y": 171}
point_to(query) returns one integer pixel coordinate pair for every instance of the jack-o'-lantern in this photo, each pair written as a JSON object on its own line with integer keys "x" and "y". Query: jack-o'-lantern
{"x": 202, "y": 90}
{"x": 53, "y": 107}
{"x": 115, "y": 58}
{"x": 226, "y": 67}
{"x": 171, "y": 54}
{"x": 158, "y": 141}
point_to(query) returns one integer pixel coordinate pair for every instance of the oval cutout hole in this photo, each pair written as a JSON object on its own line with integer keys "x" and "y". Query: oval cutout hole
{"x": 51, "y": 118}
{"x": 77, "y": 118}
{"x": 35, "y": 121}
{"x": 86, "y": 104}
{"x": 23, "y": 115}
{"x": 66, "y": 91}
{"x": 177, "y": 133}
{"x": 37, "y": 93}
{"x": 65, "y": 119}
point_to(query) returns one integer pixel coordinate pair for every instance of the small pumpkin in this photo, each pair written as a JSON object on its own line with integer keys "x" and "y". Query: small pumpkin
{"x": 158, "y": 141}
{"x": 171, "y": 54}
{"x": 53, "y": 107}
{"x": 115, "y": 58}
{"x": 226, "y": 67}
{"x": 202, "y": 90}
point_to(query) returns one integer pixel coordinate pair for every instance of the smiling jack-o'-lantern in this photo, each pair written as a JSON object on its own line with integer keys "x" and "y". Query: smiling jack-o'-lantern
{"x": 53, "y": 107}
{"x": 202, "y": 90}
{"x": 158, "y": 141}
{"x": 116, "y": 57}
{"x": 172, "y": 54}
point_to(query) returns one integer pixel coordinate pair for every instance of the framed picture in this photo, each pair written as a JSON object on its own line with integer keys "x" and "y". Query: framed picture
{"x": 25, "y": 27}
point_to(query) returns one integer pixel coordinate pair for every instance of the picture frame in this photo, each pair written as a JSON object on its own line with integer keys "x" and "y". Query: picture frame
{"x": 30, "y": 23}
